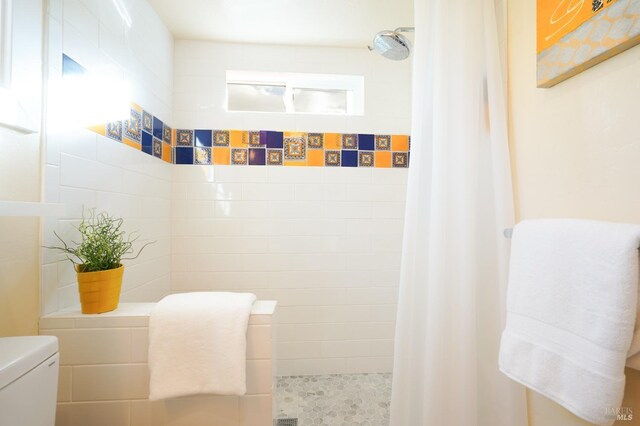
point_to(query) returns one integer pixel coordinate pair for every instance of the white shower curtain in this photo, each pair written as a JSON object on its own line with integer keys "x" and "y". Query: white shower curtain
{"x": 459, "y": 201}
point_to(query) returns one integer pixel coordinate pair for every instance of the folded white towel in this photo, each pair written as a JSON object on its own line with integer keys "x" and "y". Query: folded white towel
{"x": 571, "y": 310}
{"x": 198, "y": 345}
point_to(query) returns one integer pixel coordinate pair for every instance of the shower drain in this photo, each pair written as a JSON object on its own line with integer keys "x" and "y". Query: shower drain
{"x": 285, "y": 422}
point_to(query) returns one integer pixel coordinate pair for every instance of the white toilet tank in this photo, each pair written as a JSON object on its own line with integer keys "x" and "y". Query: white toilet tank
{"x": 28, "y": 380}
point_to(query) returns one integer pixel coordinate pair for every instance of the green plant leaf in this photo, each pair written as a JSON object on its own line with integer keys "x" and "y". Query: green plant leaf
{"x": 103, "y": 243}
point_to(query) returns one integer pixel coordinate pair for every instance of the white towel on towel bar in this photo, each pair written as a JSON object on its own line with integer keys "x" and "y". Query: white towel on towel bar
{"x": 198, "y": 345}
{"x": 571, "y": 311}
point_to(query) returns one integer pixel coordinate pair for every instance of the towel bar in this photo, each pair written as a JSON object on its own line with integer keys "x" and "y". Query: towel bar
{"x": 508, "y": 233}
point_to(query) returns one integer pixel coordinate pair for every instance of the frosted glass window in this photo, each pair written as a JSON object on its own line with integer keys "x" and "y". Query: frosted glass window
{"x": 256, "y": 97}
{"x": 320, "y": 101}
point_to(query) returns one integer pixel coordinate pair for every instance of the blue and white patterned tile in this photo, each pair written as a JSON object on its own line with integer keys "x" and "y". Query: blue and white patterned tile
{"x": 114, "y": 130}
{"x": 133, "y": 126}
{"x": 147, "y": 121}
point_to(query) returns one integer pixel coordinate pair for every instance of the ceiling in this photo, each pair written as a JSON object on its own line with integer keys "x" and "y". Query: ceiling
{"x": 345, "y": 23}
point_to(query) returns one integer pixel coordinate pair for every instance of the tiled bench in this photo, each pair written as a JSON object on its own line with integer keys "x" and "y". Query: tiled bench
{"x": 104, "y": 377}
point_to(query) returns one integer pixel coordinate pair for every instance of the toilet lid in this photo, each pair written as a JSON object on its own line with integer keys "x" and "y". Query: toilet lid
{"x": 19, "y": 355}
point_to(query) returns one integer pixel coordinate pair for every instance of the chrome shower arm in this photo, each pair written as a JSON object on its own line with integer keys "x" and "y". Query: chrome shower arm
{"x": 405, "y": 29}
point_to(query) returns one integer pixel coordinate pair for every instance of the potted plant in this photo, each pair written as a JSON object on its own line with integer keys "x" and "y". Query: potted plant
{"x": 97, "y": 259}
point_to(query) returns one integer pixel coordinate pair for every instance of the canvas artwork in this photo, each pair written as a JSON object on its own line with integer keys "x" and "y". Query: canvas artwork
{"x": 573, "y": 35}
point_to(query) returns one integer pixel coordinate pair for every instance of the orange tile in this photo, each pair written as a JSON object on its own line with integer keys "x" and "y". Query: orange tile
{"x": 166, "y": 152}
{"x": 239, "y": 138}
{"x": 383, "y": 159}
{"x": 315, "y": 157}
{"x": 100, "y": 129}
{"x": 132, "y": 143}
{"x": 295, "y": 163}
{"x": 221, "y": 156}
{"x": 173, "y": 137}
{"x": 332, "y": 141}
{"x": 400, "y": 143}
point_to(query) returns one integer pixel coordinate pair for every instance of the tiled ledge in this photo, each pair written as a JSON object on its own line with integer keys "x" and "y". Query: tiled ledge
{"x": 134, "y": 315}
{"x": 104, "y": 373}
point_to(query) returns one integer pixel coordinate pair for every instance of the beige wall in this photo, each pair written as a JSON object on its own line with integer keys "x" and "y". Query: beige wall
{"x": 576, "y": 152}
{"x": 19, "y": 237}
{"x": 20, "y": 178}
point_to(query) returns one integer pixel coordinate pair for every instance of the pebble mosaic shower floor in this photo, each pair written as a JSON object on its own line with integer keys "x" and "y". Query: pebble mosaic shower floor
{"x": 334, "y": 400}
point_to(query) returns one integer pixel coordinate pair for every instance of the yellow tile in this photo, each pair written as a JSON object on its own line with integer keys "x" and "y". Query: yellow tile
{"x": 136, "y": 107}
{"x": 332, "y": 141}
{"x": 166, "y": 152}
{"x": 295, "y": 163}
{"x": 239, "y": 138}
{"x": 400, "y": 143}
{"x": 100, "y": 129}
{"x": 131, "y": 143}
{"x": 221, "y": 156}
{"x": 383, "y": 159}
{"x": 315, "y": 157}
{"x": 294, "y": 134}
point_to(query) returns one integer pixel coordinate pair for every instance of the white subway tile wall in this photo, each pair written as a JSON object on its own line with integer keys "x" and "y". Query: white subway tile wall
{"x": 104, "y": 376}
{"x": 327, "y": 248}
{"x": 138, "y": 188}
{"x": 86, "y": 169}
{"x": 95, "y": 34}
{"x": 324, "y": 242}
{"x": 200, "y": 87}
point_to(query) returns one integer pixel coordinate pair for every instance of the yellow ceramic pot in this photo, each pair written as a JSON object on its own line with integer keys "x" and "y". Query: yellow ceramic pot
{"x": 100, "y": 290}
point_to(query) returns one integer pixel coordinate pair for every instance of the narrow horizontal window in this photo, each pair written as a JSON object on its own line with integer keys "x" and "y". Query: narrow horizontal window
{"x": 320, "y": 101}
{"x": 295, "y": 93}
{"x": 256, "y": 97}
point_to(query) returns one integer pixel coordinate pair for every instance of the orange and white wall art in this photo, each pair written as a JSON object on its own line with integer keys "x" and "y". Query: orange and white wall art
{"x": 573, "y": 35}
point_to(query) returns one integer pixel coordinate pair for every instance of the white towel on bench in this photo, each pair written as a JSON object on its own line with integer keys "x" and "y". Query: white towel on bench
{"x": 198, "y": 345}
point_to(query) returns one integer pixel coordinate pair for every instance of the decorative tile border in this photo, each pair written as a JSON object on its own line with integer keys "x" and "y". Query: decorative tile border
{"x": 274, "y": 148}
{"x": 239, "y": 156}
{"x": 133, "y": 126}
{"x": 147, "y": 122}
{"x": 202, "y": 156}
{"x": 114, "y": 130}
{"x": 148, "y": 133}
{"x": 274, "y": 157}
{"x": 366, "y": 159}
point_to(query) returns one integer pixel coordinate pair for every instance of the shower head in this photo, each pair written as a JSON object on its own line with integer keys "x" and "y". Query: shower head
{"x": 392, "y": 44}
